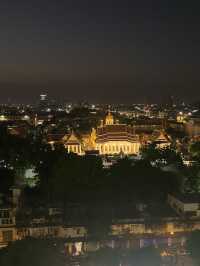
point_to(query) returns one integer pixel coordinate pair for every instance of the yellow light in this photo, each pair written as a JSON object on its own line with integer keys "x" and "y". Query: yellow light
{"x": 164, "y": 253}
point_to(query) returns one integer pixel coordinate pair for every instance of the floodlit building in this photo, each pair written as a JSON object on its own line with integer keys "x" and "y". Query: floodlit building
{"x": 161, "y": 139}
{"x": 114, "y": 138}
{"x": 110, "y": 138}
{"x": 73, "y": 144}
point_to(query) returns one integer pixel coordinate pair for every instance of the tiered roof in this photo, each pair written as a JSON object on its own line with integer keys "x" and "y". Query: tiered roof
{"x": 73, "y": 140}
{"x": 116, "y": 132}
{"x": 161, "y": 137}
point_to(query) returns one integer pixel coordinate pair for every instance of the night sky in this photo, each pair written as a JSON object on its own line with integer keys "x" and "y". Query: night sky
{"x": 101, "y": 51}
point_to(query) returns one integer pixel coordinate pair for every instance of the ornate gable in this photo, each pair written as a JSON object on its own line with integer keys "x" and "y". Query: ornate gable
{"x": 72, "y": 139}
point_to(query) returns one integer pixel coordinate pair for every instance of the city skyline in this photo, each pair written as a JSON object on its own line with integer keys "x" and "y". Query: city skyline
{"x": 99, "y": 133}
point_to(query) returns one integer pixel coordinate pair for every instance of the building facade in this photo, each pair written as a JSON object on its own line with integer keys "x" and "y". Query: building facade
{"x": 114, "y": 138}
{"x": 185, "y": 205}
{"x": 73, "y": 144}
{"x": 7, "y": 226}
{"x": 110, "y": 138}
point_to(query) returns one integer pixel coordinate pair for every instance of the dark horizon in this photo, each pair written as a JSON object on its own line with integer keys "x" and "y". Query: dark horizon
{"x": 104, "y": 97}
{"x": 108, "y": 51}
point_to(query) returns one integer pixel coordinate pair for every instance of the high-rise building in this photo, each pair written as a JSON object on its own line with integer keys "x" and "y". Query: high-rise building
{"x": 43, "y": 97}
{"x": 43, "y": 103}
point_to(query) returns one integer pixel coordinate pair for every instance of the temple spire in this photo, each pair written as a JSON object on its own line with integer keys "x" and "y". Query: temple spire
{"x": 109, "y": 119}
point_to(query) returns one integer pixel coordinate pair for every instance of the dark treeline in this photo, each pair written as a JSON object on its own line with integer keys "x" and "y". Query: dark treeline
{"x": 51, "y": 252}
{"x": 33, "y": 252}
{"x": 64, "y": 177}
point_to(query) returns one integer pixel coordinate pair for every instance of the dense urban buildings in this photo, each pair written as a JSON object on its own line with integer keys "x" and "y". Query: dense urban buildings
{"x": 96, "y": 176}
{"x": 109, "y": 138}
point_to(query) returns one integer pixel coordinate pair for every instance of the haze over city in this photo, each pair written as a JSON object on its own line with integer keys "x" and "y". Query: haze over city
{"x": 132, "y": 50}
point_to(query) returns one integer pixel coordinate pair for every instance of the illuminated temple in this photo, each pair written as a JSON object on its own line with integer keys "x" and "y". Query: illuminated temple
{"x": 114, "y": 138}
{"x": 110, "y": 138}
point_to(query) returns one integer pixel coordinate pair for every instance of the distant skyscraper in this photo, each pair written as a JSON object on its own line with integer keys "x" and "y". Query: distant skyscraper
{"x": 43, "y": 97}
{"x": 43, "y": 103}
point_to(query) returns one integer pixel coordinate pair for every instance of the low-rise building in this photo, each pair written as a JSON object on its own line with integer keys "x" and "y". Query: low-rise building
{"x": 161, "y": 139}
{"x": 7, "y": 226}
{"x": 114, "y": 138}
{"x": 110, "y": 138}
{"x": 185, "y": 204}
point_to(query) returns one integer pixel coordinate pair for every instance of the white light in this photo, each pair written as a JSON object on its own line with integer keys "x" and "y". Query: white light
{"x": 30, "y": 173}
{"x": 26, "y": 117}
{"x": 43, "y": 97}
{"x": 3, "y": 118}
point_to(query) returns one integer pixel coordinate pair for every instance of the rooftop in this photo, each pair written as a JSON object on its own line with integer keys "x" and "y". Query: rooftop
{"x": 188, "y": 198}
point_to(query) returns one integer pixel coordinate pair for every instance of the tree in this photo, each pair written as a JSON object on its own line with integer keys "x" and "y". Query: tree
{"x": 161, "y": 157}
{"x": 14, "y": 153}
{"x": 99, "y": 221}
{"x": 192, "y": 245}
{"x": 145, "y": 256}
{"x": 6, "y": 180}
{"x": 192, "y": 179}
{"x": 32, "y": 252}
{"x": 141, "y": 180}
{"x": 171, "y": 157}
{"x": 195, "y": 150}
{"x": 69, "y": 176}
{"x": 103, "y": 257}
{"x": 150, "y": 153}
{"x": 115, "y": 257}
